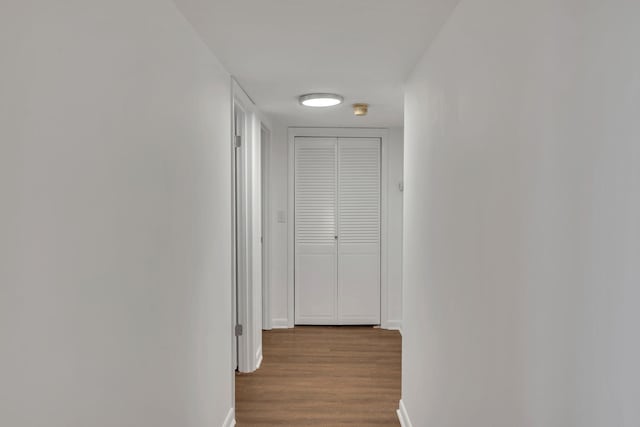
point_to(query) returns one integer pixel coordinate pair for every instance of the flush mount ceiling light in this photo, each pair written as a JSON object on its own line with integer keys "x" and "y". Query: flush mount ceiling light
{"x": 320, "y": 99}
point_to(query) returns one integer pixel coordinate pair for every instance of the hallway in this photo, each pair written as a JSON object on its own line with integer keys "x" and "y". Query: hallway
{"x": 178, "y": 176}
{"x": 323, "y": 376}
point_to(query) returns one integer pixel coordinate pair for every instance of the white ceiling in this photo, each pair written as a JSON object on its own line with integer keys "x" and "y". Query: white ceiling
{"x": 280, "y": 49}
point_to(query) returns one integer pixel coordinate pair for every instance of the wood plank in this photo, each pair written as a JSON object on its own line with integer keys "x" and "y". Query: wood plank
{"x": 323, "y": 376}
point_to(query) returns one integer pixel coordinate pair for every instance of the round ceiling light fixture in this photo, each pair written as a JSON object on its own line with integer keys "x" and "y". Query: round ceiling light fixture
{"x": 320, "y": 99}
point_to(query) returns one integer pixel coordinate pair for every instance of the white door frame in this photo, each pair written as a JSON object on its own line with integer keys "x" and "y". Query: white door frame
{"x": 243, "y": 231}
{"x": 381, "y": 133}
{"x": 265, "y": 142}
{"x": 248, "y": 278}
{"x": 232, "y": 234}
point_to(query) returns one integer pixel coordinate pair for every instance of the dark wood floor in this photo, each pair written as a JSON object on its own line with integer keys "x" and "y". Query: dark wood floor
{"x": 323, "y": 376}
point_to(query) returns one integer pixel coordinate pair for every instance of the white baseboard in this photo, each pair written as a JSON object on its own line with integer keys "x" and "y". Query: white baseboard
{"x": 280, "y": 323}
{"x": 230, "y": 421}
{"x": 395, "y": 325}
{"x": 259, "y": 358}
{"x": 403, "y": 416}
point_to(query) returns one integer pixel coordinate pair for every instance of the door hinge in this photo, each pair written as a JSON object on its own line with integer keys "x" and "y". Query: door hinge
{"x": 238, "y": 330}
{"x": 238, "y": 141}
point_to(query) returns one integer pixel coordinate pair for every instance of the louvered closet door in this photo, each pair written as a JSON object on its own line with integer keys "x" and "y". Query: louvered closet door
{"x": 315, "y": 231}
{"x": 359, "y": 231}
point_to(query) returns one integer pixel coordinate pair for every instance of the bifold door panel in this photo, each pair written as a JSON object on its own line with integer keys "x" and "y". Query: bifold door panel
{"x": 337, "y": 231}
{"x": 359, "y": 231}
{"x": 316, "y": 262}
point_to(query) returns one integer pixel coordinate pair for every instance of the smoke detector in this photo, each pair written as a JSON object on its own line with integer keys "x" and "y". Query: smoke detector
{"x": 360, "y": 109}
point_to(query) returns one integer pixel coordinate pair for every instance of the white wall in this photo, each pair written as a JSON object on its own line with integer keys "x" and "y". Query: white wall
{"x": 278, "y": 208}
{"x": 279, "y": 242}
{"x": 115, "y": 267}
{"x": 521, "y": 218}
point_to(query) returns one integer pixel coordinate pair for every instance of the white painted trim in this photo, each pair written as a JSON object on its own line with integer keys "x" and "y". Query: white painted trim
{"x": 394, "y": 325}
{"x": 290, "y": 232}
{"x": 250, "y": 270}
{"x": 244, "y": 275}
{"x": 232, "y": 154}
{"x": 258, "y": 358}
{"x": 280, "y": 323}
{"x": 403, "y": 416}
{"x": 381, "y": 133}
{"x": 266, "y": 225}
{"x": 230, "y": 420}
{"x": 384, "y": 230}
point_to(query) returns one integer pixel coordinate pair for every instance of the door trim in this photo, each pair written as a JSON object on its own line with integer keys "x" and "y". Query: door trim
{"x": 248, "y": 246}
{"x": 265, "y": 154}
{"x": 243, "y": 267}
{"x": 381, "y": 133}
